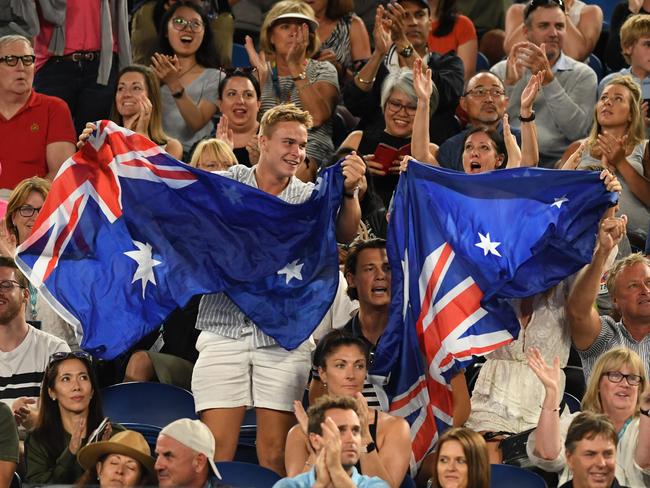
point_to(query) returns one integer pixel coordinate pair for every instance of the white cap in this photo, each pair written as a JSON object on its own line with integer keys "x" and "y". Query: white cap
{"x": 195, "y": 435}
{"x": 313, "y": 24}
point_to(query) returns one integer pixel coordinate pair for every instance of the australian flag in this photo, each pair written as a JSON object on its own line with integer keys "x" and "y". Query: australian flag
{"x": 459, "y": 246}
{"x": 127, "y": 234}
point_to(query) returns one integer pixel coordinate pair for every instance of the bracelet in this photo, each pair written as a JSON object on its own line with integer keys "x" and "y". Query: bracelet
{"x": 354, "y": 194}
{"x": 550, "y": 409}
{"x": 361, "y": 80}
{"x": 527, "y": 119}
{"x": 179, "y": 93}
{"x": 301, "y": 76}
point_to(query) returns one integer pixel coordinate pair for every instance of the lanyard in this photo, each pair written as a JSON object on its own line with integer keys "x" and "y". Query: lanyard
{"x": 622, "y": 431}
{"x": 33, "y": 296}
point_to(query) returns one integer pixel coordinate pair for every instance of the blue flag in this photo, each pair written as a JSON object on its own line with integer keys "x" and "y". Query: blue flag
{"x": 127, "y": 234}
{"x": 459, "y": 246}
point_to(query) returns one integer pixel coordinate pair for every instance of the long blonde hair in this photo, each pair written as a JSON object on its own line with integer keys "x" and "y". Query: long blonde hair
{"x": 612, "y": 360}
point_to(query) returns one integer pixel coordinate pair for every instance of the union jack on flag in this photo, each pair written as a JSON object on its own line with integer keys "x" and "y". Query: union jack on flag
{"x": 459, "y": 247}
{"x": 127, "y": 234}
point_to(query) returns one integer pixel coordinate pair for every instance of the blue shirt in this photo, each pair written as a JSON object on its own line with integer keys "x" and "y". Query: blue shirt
{"x": 308, "y": 479}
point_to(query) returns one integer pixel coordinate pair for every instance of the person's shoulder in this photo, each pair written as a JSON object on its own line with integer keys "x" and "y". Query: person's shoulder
{"x": 300, "y": 481}
{"x": 321, "y": 68}
{"x": 237, "y": 172}
{"x": 51, "y": 342}
{"x": 393, "y": 423}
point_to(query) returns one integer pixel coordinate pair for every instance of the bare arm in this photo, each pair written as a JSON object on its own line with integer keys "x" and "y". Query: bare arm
{"x": 642, "y": 451}
{"x": 296, "y": 452}
{"x": 318, "y": 98}
{"x": 514, "y": 27}
{"x": 365, "y": 78}
{"x": 580, "y": 40}
{"x": 423, "y": 86}
{"x": 359, "y": 39}
{"x": 174, "y": 148}
{"x": 462, "y": 406}
{"x": 583, "y": 318}
{"x": 468, "y": 52}
{"x": 347, "y": 224}
{"x": 529, "y": 144}
{"x": 55, "y": 154}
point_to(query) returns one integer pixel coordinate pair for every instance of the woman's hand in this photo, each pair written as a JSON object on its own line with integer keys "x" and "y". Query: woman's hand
{"x": 253, "y": 148}
{"x": 257, "y": 60}
{"x": 85, "y": 134}
{"x": 323, "y": 479}
{"x": 295, "y": 58}
{"x": 139, "y": 122}
{"x": 374, "y": 167}
{"x": 514, "y": 152}
{"x": 404, "y": 163}
{"x": 301, "y": 417}
{"x": 8, "y": 241}
{"x": 530, "y": 93}
{"x": 381, "y": 32}
{"x": 167, "y": 69}
{"x": 25, "y": 412}
{"x": 77, "y": 435}
{"x": 612, "y": 149}
{"x": 364, "y": 417}
{"x": 610, "y": 181}
{"x": 574, "y": 160}
{"x": 224, "y": 133}
{"x": 550, "y": 376}
{"x": 422, "y": 82}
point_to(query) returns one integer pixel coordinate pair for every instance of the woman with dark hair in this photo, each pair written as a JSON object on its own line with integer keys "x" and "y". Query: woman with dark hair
{"x": 185, "y": 65}
{"x": 137, "y": 106}
{"x": 239, "y": 102}
{"x": 69, "y": 411}
{"x": 461, "y": 460}
{"x": 343, "y": 362}
{"x": 451, "y": 31}
{"x": 344, "y": 38}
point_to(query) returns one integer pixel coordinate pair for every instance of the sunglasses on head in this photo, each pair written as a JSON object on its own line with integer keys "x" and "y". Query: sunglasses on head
{"x": 61, "y": 355}
{"x": 542, "y": 3}
{"x": 245, "y": 70}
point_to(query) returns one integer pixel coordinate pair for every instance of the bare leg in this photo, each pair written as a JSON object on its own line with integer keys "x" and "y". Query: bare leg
{"x": 139, "y": 368}
{"x": 272, "y": 429}
{"x": 224, "y": 424}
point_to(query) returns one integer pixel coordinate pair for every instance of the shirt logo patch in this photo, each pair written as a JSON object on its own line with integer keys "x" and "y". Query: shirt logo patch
{"x": 34, "y": 127}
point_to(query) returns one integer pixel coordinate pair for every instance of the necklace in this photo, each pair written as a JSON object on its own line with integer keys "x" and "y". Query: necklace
{"x": 183, "y": 73}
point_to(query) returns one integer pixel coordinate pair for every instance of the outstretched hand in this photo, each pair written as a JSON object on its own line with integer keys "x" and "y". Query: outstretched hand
{"x": 422, "y": 81}
{"x": 257, "y": 60}
{"x": 550, "y": 376}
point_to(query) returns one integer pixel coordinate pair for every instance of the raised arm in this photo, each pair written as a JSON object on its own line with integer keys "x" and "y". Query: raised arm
{"x": 583, "y": 318}
{"x": 347, "y": 223}
{"x": 423, "y": 86}
{"x": 613, "y": 149}
{"x": 365, "y": 78}
{"x": 529, "y": 145}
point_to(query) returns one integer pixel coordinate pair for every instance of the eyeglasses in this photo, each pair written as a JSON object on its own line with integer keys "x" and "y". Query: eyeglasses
{"x": 542, "y": 3}
{"x": 11, "y": 60}
{"x": 179, "y": 23}
{"x": 8, "y": 285}
{"x": 28, "y": 211}
{"x": 395, "y": 107}
{"x": 480, "y": 92}
{"x": 617, "y": 377}
{"x": 61, "y": 355}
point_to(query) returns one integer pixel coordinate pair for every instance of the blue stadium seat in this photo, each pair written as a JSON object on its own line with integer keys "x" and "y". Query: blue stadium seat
{"x": 148, "y": 404}
{"x": 571, "y": 402}
{"x": 506, "y": 476}
{"x": 245, "y": 475}
{"x": 408, "y": 482}
{"x": 239, "y": 56}
{"x": 607, "y": 6}
{"x": 482, "y": 62}
{"x": 597, "y": 65}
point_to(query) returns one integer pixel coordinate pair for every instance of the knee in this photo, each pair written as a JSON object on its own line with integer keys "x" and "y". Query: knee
{"x": 139, "y": 367}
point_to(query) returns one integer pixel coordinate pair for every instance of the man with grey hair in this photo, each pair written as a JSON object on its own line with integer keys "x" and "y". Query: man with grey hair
{"x": 628, "y": 284}
{"x": 37, "y": 130}
{"x": 566, "y": 102}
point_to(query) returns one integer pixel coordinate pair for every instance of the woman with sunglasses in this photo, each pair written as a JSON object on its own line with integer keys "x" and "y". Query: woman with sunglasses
{"x": 239, "y": 102}
{"x": 70, "y": 410}
{"x": 185, "y": 65}
{"x": 342, "y": 362}
{"x": 618, "y": 388}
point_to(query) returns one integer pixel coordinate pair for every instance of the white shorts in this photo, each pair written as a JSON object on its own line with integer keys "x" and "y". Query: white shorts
{"x": 233, "y": 373}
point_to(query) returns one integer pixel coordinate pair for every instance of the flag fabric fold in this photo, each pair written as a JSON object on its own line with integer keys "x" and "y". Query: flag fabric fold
{"x": 127, "y": 234}
{"x": 459, "y": 247}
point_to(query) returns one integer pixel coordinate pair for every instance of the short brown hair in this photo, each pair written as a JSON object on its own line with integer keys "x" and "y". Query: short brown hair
{"x": 476, "y": 454}
{"x": 20, "y": 194}
{"x": 634, "y": 28}
{"x": 8, "y": 262}
{"x": 589, "y": 425}
{"x": 287, "y": 7}
{"x": 620, "y": 265}
{"x": 316, "y": 412}
{"x": 353, "y": 257}
{"x": 287, "y": 112}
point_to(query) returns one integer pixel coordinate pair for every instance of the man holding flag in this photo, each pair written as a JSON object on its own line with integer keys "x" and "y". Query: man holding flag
{"x": 239, "y": 364}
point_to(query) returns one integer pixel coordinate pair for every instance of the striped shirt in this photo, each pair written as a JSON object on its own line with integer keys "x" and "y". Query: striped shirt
{"x": 613, "y": 334}
{"x": 217, "y": 313}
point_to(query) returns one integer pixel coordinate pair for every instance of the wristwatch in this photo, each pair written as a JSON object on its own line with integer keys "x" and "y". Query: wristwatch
{"x": 407, "y": 52}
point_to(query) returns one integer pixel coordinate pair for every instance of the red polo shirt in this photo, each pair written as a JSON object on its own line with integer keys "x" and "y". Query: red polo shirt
{"x": 25, "y": 136}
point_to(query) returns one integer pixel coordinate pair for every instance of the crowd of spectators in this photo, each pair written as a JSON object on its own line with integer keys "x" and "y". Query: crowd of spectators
{"x": 268, "y": 94}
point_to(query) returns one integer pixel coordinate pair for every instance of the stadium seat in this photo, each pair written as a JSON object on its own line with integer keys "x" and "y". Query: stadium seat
{"x": 482, "y": 62}
{"x": 571, "y": 402}
{"x": 506, "y": 476}
{"x": 239, "y": 56}
{"x": 597, "y": 65}
{"x": 16, "y": 481}
{"x": 575, "y": 381}
{"x": 150, "y": 405}
{"x": 245, "y": 475}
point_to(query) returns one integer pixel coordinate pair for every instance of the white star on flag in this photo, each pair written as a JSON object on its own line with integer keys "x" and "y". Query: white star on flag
{"x": 292, "y": 270}
{"x": 145, "y": 262}
{"x": 233, "y": 195}
{"x": 487, "y": 245}
{"x": 559, "y": 201}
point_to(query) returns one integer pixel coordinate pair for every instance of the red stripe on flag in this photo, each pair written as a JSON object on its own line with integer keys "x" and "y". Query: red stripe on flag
{"x": 433, "y": 280}
{"x": 405, "y": 400}
{"x": 72, "y": 223}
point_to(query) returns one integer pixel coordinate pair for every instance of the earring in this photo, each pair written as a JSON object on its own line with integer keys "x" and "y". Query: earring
{"x": 325, "y": 385}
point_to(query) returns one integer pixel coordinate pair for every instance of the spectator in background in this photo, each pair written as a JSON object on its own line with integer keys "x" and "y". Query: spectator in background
{"x": 617, "y": 142}
{"x": 613, "y": 57}
{"x": 185, "y": 65}
{"x": 564, "y": 107}
{"x": 363, "y": 97}
{"x": 249, "y": 15}
{"x": 451, "y": 31}
{"x": 239, "y": 103}
{"x": 617, "y": 388}
{"x": 343, "y": 35}
{"x": 489, "y": 21}
{"x": 8, "y": 445}
{"x": 213, "y": 155}
{"x": 78, "y": 49}
{"x": 137, "y": 106}
{"x": 582, "y": 26}
{"x": 460, "y": 459}
{"x": 289, "y": 37}
{"x": 37, "y": 130}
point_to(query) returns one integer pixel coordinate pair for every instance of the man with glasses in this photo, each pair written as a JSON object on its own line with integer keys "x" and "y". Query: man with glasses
{"x": 628, "y": 284}
{"x": 24, "y": 350}
{"x": 37, "y": 130}
{"x": 565, "y": 105}
{"x": 484, "y": 102}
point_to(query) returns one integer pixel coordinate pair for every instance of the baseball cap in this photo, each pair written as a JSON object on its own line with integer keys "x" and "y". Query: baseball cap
{"x": 195, "y": 435}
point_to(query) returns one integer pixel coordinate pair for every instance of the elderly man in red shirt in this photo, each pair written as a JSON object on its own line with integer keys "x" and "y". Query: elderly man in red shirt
{"x": 37, "y": 130}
